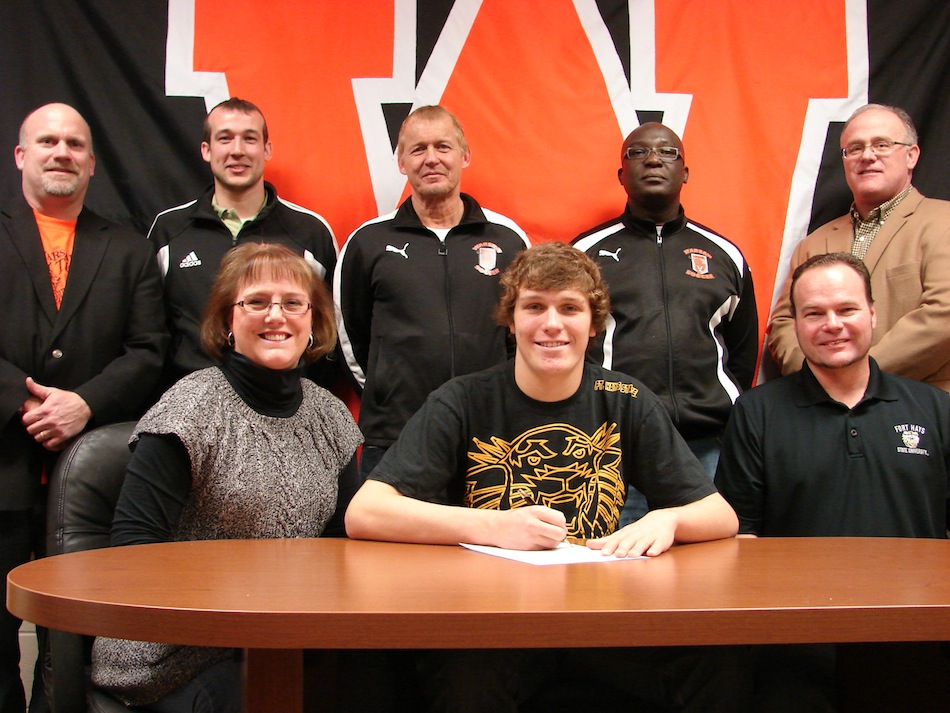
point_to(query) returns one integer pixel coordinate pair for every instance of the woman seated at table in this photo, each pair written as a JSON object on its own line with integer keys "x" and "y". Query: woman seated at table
{"x": 245, "y": 449}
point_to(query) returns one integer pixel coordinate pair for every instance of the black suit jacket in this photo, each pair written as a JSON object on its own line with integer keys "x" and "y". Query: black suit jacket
{"x": 107, "y": 342}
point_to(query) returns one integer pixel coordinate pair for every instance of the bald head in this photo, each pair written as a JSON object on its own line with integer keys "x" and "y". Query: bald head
{"x": 55, "y": 157}
{"x": 63, "y": 109}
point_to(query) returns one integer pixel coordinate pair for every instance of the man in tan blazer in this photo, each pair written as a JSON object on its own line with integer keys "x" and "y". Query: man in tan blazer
{"x": 904, "y": 240}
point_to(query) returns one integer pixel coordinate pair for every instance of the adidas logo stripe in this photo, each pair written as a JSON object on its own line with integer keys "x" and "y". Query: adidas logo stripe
{"x": 190, "y": 260}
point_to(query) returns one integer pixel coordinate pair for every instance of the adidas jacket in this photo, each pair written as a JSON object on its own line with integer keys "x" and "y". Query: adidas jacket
{"x": 415, "y": 312}
{"x": 683, "y": 316}
{"x": 191, "y": 240}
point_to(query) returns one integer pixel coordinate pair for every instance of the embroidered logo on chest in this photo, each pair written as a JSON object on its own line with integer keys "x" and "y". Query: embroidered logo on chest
{"x": 487, "y": 258}
{"x": 190, "y": 260}
{"x": 911, "y": 435}
{"x": 699, "y": 266}
{"x": 398, "y": 251}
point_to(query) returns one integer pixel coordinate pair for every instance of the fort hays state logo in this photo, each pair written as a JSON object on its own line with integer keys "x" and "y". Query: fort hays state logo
{"x": 699, "y": 263}
{"x": 487, "y": 258}
{"x": 910, "y": 436}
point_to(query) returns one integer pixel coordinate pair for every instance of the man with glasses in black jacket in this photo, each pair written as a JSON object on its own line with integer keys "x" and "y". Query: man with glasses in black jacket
{"x": 683, "y": 316}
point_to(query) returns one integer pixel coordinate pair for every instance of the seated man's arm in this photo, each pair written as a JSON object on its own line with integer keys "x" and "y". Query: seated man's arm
{"x": 380, "y": 512}
{"x": 710, "y": 518}
{"x": 740, "y": 475}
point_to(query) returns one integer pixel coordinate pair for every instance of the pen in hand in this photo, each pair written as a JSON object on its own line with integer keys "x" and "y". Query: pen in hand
{"x": 527, "y": 498}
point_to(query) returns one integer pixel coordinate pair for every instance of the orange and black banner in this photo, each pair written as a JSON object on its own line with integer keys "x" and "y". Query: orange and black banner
{"x": 546, "y": 91}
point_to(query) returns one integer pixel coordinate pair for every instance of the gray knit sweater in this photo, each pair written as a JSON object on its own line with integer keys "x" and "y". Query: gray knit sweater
{"x": 253, "y": 476}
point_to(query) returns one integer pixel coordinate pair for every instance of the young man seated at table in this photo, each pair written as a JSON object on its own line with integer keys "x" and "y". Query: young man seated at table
{"x": 534, "y": 451}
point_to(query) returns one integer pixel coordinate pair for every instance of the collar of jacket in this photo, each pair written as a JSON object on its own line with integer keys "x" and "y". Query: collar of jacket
{"x": 648, "y": 227}
{"x": 202, "y": 209}
{"x": 406, "y": 216}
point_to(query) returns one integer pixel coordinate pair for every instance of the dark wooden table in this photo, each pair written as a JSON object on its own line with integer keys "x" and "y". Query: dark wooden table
{"x": 277, "y": 597}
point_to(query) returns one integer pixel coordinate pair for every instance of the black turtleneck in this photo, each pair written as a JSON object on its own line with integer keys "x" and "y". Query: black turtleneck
{"x": 270, "y": 392}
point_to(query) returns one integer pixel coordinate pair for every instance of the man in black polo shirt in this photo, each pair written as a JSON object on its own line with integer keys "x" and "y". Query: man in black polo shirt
{"x": 839, "y": 448}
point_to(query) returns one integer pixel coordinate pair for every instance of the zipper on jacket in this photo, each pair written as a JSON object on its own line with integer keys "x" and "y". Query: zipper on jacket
{"x": 669, "y": 328}
{"x": 444, "y": 254}
{"x": 235, "y": 239}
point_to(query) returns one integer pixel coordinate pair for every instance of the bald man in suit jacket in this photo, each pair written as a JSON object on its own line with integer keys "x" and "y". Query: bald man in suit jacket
{"x": 83, "y": 340}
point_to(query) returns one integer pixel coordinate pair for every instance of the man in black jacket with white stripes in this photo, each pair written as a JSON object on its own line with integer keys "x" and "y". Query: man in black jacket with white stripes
{"x": 683, "y": 315}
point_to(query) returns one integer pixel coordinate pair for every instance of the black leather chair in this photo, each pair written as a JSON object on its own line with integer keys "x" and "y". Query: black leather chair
{"x": 83, "y": 491}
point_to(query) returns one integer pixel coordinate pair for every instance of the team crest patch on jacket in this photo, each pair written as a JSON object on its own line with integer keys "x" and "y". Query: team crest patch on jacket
{"x": 699, "y": 263}
{"x": 487, "y": 258}
{"x": 910, "y": 436}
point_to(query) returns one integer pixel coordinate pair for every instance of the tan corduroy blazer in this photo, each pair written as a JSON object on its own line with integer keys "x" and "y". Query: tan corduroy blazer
{"x": 909, "y": 262}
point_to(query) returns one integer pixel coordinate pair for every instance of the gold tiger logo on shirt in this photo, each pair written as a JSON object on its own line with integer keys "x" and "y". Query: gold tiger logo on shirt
{"x": 561, "y": 466}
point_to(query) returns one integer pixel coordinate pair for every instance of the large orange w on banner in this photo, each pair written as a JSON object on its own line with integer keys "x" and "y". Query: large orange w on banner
{"x": 546, "y": 90}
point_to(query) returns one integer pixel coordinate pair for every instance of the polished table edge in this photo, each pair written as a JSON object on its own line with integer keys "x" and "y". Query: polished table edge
{"x": 922, "y": 615}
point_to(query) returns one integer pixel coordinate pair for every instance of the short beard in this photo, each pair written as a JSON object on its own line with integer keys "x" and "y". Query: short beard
{"x": 60, "y": 188}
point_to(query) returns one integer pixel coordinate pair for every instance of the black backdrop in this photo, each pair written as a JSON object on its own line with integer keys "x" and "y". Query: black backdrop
{"x": 106, "y": 58}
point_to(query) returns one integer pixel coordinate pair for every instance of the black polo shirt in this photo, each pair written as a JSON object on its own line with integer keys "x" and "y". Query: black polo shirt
{"x": 795, "y": 462}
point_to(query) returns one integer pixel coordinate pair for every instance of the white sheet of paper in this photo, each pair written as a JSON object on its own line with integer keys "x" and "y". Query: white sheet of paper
{"x": 564, "y": 553}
